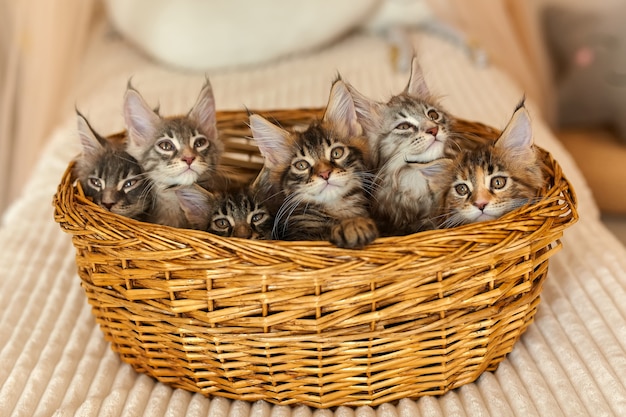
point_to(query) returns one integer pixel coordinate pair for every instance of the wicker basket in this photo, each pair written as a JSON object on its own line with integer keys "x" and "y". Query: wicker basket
{"x": 307, "y": 322}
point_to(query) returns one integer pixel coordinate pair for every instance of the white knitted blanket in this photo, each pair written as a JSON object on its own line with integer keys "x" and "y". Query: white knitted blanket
{"x": 55, "y": 361}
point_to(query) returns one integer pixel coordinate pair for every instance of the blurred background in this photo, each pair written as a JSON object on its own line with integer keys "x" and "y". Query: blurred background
{"x": 569, "y": 56}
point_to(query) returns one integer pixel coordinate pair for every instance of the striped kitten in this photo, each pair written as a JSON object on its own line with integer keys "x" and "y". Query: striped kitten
{"x": 485, "y": 183}
{"x": 240, "y": 214}
{"x": 175, "y": 151}
{"x": 110, "y": 176}
{"x": 322, "y": 174}
{"x": 405, "y": 134}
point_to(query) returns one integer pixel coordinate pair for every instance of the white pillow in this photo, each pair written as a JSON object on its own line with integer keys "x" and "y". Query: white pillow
{"x": 205, "y": 34}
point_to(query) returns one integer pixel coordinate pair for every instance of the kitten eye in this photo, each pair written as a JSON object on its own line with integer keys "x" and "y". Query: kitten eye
{"x": 302, "y": 165}
{"x": 337, "y": 152}
{"x": 95, "y": 183}
{"x": 129, "y": 183}
{"x": 433, "y": 114}
{"x": 258, "y": 217}
{"x": 498, "y": 183}
{"x": 461, "y": 189}
{"x": 221, "y": 224}
{"x": 200, "y": 142}
{"x": 166, "y": 145}
{"x": 404, "y": 126}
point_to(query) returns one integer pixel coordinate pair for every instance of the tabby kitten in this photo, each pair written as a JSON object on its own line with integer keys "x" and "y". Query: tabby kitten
{"x": 407, "y": 132}
{"x": 240, "y": 214}
{"x": 175, "y": 151}
{"x": 485, "y": 183}
{"x": 110, "y": 176}
{"x": 322, "y": 174}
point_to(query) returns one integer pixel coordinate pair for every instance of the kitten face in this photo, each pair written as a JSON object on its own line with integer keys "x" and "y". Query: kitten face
{"x": 323, "y": 169}
{"x": 110, "y": 176}
{"x": 410, "y": 128}
{"x": 118, "y": 184}
{"x": 180, "y": 154}
{"x": 488, "y": 182}
{"x": 240, "y": 215}
{"x": 411, "y": 131}
{"x": 174, "y": 150}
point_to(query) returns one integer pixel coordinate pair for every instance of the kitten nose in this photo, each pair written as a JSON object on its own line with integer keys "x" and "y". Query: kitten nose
{"x": 107, "y": 205}
{"x": 481, "y": 205}
{"x": 243, "y": 231}
{"x": 188, "y": 159}
{"x": 324, "y": 174}
{"x": 433, "y": 130}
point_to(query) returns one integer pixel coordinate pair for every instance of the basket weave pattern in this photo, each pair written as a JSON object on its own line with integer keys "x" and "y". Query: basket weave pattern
{"x": 307, "y": 322}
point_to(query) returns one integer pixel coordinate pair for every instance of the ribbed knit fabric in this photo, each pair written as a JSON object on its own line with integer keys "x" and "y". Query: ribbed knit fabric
{"x": 53, "y": 357}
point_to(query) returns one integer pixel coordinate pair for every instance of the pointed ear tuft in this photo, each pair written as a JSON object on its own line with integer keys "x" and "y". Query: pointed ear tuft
{"x": 141, "y": 122}
{"x": 91, "y": 142}
{"x": 517, "y": 137}
{"x": 341, "y": 111}
{"x": 203, "y": 111}
{"x": 273, "y": 141}
{"x": 417, "y": 85}
{"x": 368, "y": 112}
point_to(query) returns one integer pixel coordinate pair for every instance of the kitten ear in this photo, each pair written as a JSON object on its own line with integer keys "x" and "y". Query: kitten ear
{"x": 517, "y": 137}
{"x": 91, "y": 142}
{"x": 417, "y": 86}
{"x": 141, "y": 122}
{"x": 341, "y": 111}
{"x": 196, "y": 203}
{"x": 273, "y": 142}
{"x": 369, "y": 112}
{"x": 203, "y": 112}
{"x": 436, "y": 172}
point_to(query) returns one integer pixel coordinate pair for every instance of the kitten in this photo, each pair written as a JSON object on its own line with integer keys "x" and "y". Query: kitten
{"x": 240, "y": 214}
{"x": 322, "y": 174}
{"x": 110, "y": 176}
{"x": 409, "y": 131}
{"x": 490, "y": 181}
{"x": 175, "y": 151}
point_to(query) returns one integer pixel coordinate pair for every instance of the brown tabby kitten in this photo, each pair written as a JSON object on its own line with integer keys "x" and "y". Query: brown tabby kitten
{"x": 409, "y": 131}
{"x": 240, "y": 214}
{"x": 110, "y": 176}
{"x": 487, "y": 182}
{"x": 322, "y": 174}
{"x": 175, "y": 151}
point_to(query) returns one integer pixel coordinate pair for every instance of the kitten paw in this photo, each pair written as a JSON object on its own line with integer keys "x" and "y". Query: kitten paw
{"x": 354, "y": 233}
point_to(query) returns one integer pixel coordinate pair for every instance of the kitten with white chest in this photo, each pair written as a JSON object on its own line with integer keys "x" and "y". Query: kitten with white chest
{"x": 322, "y": 175}
{"x": 485, "y": 183}
{"x": 175, "y": 151}
{"x": 405, "y": 134}
{"x": 110, "y": 176}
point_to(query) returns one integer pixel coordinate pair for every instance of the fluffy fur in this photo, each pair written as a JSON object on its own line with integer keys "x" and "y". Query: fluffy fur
{"x": 405, "y": 135}
{"x": 321, "y": 175}
{"x": 110, "y": 176}
{"x": 490, "y": 181}
{"x": 175, "y": 152}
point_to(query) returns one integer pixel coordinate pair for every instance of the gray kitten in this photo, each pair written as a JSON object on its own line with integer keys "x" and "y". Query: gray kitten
{"x": 321, "y": 174}
{"x": 405, "y": 134}
{"x": 110, "y": 176}
{"x": 175, "y": 152}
